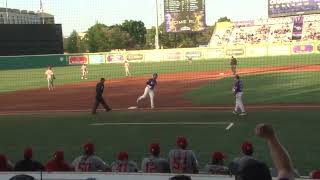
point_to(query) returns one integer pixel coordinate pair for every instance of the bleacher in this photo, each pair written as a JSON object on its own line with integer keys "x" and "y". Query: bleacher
{"x": 264, "y": 31}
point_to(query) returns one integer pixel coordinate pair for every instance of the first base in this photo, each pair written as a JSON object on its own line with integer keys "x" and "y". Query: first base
{"x": 133, "y": 107}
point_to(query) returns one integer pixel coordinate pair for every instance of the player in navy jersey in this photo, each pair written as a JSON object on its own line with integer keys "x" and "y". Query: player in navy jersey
{"x": 238, "y": 92}
{"x": 151, "y": 84}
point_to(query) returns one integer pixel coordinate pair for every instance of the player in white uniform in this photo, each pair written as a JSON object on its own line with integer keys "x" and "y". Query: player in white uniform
{"x": 151, "y": 84}
{"x": 50, "y": 77}
{"x": 127, "y": 68}
{"x": 84, "y": 71}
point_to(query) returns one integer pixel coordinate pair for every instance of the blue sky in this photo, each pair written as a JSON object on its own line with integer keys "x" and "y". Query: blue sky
{"x": 81, "y": 14}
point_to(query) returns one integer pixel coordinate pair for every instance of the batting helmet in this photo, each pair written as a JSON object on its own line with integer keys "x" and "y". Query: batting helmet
{"x": 154, "y": 149}
{"x": 182, "y": 142}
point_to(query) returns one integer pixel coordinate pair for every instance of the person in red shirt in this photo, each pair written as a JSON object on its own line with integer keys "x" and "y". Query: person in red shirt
{"x": 5, "y": 164}
{"x": 58, "y": 163}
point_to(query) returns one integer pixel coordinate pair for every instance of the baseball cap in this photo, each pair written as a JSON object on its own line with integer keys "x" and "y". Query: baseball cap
{"x": 89, "y": 148}
{"x": 315, "y": 174}
{"x": 182, "y": 142}
{"x": 218, "y": 156}
{"x": 28, "y": 152}
{"x": 122, "y": 156}
{"x": 58, "y": 155}
{"x": 3, "y": 161}
{"x": 247, "y": 148}
{"x": 252, "y": 169}
{"x": 154, "y": 149}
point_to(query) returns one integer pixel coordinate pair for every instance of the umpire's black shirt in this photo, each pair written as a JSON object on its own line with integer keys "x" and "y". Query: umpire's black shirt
{"x": 99, "y": 90}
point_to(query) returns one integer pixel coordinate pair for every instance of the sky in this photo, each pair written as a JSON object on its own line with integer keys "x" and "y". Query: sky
{"x": 79, "y": 15}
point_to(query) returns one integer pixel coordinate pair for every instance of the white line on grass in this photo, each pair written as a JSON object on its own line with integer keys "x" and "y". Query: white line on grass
{"x": 161, "y": 123}
{"x": 230, "y": 126}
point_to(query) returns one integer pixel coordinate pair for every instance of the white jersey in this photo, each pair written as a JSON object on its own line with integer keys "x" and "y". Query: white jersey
{"x": 183, "y": 161}
{"x": 89, "y": 164}
{"x": 84, "y": 68}
{"x": 49, "y": 73}
{"x": 126, "y": 65}
{"x": 155, "y": 165}
{"x": 124, "y": 166}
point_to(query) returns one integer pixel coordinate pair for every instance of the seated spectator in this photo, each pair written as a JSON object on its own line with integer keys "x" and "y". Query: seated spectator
{"x": 5, "y": 164}
{"x": 247, "y": 151}
{"x": 247, "y": 148}
{"x": 217, "y": 165}
{"x": 279, "y": 154}
{"x": 123, "y": 164}
{"x": 28, "y": 164}
{"x": 182, "y": 160}
{"x": 89, "y": 162}
{"x": 154, "y": 163}
{"x": 58, "y": 163}
{"x": 315, "y": 174}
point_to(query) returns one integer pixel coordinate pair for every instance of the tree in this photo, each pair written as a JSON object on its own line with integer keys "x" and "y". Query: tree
{"x": 224, "y": 19}
{"x": 73, "y": 45}
{"x": 150, "y": 38}
{"x": 137, "y": 31}
{"x": 96, "y": 38}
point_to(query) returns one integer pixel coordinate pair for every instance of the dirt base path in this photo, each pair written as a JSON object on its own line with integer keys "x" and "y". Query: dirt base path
{"x": 122, "y": 93}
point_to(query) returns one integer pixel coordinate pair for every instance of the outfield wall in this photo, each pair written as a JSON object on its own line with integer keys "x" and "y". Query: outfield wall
{"x": 108, "y": 176}
{"x": 26, "y": 62}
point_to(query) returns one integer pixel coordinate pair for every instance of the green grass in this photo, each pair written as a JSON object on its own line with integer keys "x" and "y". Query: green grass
{"x": 46, "y": 133}
{"x": 15, "y": 80}
{"x": 276, "y": 88}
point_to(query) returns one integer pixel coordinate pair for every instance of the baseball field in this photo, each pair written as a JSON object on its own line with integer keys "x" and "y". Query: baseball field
{"x": 192, "y": 99}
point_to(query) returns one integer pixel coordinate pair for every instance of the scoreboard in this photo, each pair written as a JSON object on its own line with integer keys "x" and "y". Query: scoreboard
{"x": 184, "y": 15}
{"x": 279, "y": 8}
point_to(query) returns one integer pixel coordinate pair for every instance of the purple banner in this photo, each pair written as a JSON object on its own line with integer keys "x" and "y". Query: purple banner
{"x": 297, "y": 28}
{"x": 279, "y": 8}
{"x": 300, "y": 49}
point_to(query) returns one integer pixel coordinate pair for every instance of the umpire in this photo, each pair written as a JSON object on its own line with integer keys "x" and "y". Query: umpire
{"x": 233, "y": 65}
{"x": 99, "y": 99}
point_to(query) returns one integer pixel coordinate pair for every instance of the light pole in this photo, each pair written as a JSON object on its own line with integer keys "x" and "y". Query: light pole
{"x": 157, "y": 27}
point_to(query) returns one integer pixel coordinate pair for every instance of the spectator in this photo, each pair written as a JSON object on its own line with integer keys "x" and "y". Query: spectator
{"x": 123, "y": 164}
{"x": 5, "y": 164}
{"x": 315, "y": 174}
{"x": 217, "y": 165}
{"x": 247, "y": 151}
{"x": 279, "y": 155}
{"x": 58, "y": 163}
{"x": 155, "y": 164}
{"x": 247, "y": 148}
{"x": 89, "y": 162}
{"x": 182, "y": 160}
{"x": 28, "y": 164}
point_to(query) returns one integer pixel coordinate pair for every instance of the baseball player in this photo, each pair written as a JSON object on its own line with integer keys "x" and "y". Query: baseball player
{"x": 233, "y": 65}
{"x": 182, "y": 160}
{"x": 58, "y": 163}
{"x": 127, "y": 68}
{"x": 217, "y": 165}
{"x": 151, "y": 84}
{"x": 123, "y": 164}
{"x": 88, "y": 162}
{"x": 155, "y": 164}
{"x": 238, "y": 93}
{"x": 50, "y": 77}
{"x": 84, "y": 71}
{"x": 99, "y": 98}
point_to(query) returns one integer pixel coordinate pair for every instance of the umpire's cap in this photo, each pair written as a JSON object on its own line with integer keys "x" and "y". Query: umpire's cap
{"x": 154, "y": 149}
{"x": 182, "y": 142}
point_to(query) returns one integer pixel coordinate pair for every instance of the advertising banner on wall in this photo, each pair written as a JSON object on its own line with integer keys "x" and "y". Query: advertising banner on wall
{"x": 297, "y": 28}
{"x": 153, "y": 55}
{"x": 252, "y": 51}
{"x": 279, "y": 50}
{"x": 76, "y": 60}
{"x": 115, "y": 58}
{"x": 302, "y": 49}
{"x": 135, "y": 56}
{"x": 172, "y": 55}
{"x": 96, "y": 59}
{"x": 235, "y": 52}
{"x": 193, "y": 55}
{"x": 318, "y": 48}
{"x": 214, "y": 53}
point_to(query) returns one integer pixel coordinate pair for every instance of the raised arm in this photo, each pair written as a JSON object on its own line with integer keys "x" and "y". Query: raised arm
{"x": 279, "y": 154}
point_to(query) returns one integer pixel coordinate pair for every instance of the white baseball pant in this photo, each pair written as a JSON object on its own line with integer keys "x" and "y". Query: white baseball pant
{"x": 150, "y": 92}
{"x": 239, "y": 102}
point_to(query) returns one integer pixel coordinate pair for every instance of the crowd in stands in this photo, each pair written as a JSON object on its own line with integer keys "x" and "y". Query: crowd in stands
{"x": 180, "y": 161}
{"x": 273, "y": 30}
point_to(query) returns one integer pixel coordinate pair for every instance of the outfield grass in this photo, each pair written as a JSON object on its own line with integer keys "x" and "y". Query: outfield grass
{"x": 14, "y": 80}
{"x": 297, "y": 130}
{"x": 275, "y": 88}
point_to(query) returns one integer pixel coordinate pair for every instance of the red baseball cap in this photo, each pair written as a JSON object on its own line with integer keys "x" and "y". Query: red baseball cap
{"x": 182, "y": 142}
{"x": 247, "y": 148}
{"x": 3, "y": 161}
{"x": 218, "y": 156}
{"x": 315, "y": 174}
{"x": 154, "y": 149}
{"x": 59, "y": 155}
{"x": 28, "y": 152}
{"x": 89, "y": 148}
{"x": 123, "y": 156}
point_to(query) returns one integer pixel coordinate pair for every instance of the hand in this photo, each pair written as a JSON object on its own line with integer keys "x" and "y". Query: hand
{"x": 265, "y": 131}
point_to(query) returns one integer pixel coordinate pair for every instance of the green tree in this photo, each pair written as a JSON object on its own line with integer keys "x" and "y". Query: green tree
{"x": 224, "y": 19}
{"x": 150, "y": 38}
{"x": 137, "y": 31}
{"x": 73, "y": 45}
{"x": 96, "y": 38}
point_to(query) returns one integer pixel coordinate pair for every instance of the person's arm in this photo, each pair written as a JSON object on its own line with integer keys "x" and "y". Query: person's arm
{"x": 279, "y": 154}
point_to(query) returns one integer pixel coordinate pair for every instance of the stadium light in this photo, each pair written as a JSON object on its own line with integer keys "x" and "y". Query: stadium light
{"x": 157, "y": 28}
